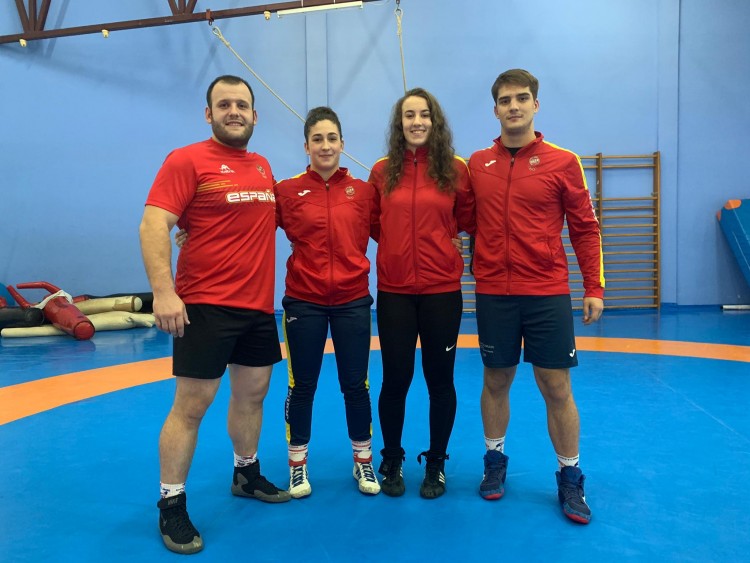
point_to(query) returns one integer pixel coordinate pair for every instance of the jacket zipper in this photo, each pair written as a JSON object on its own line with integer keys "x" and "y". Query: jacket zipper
{"x": 414, "y": 226}
{"x": 330, "y": 246}
{"x": 508, "y": 267}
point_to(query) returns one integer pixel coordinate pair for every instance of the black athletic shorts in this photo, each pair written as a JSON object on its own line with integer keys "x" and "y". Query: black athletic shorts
{"x": 544, "y": 324}
{"x": 217, "y": 336}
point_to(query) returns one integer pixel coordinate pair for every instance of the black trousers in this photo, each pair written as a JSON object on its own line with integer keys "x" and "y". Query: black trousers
{"x": 436, "y": 319}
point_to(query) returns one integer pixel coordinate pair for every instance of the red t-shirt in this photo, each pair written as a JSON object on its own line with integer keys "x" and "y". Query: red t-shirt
{"x": 224, "y": 198}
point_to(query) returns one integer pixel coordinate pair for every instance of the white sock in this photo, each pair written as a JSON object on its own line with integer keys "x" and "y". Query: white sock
{"x": 245, "y": 460}
{"x": 563, "y": 461}
{"x": 298, "y": 454}
{"x": 171, "y": 490}
{"x": 495, "y": 444}
{"x": 362, "y": 451}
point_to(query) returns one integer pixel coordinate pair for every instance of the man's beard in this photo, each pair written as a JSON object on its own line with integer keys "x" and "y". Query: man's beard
{"x": 232, "y": 140}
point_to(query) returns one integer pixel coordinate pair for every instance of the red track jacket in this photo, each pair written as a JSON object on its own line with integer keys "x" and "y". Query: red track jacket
{"x": 417, "y": 223}
{"x": 521, "y": 202}
{"x": 329, "y": 225}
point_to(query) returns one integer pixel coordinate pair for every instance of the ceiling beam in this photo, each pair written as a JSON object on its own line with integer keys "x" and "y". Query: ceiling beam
{"x": 33, "y": 21}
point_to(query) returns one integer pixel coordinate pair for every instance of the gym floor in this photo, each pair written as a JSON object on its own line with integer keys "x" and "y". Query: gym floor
{"x": 665, "y": 444}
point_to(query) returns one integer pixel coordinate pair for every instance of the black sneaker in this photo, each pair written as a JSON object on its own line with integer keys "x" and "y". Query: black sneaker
{"x": 570, "y": 494}
{"x": 248, "y": 482}
{"x": 433, "y": 485}
{"x": 393, "y": 475}
{"x": 176, "y": 529}
{"x": 492, "y": 486}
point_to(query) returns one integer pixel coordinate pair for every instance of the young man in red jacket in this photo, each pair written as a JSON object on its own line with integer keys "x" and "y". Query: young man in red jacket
{"x": 525, "y": 188}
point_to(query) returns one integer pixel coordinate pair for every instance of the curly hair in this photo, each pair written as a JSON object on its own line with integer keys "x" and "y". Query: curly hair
{"x": 439, "y": 144}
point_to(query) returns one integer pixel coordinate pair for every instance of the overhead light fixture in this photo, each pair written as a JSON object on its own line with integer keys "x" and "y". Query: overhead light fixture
{"x": 307, "y": 9}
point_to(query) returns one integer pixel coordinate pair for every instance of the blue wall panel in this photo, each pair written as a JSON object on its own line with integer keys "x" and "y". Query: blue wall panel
{"x": 87, "y": 121}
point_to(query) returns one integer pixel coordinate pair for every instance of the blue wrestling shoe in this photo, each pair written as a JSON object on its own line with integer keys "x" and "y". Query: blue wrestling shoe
{"x": 492, "y": 486}
{"x": 570, "y": 493}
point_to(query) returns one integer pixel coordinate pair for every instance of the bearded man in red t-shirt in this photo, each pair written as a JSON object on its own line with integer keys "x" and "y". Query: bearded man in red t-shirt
{"x": 219, "y": 306}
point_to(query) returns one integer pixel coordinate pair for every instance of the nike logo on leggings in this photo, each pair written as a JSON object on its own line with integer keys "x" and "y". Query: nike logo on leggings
{"x": 449, "y": 348}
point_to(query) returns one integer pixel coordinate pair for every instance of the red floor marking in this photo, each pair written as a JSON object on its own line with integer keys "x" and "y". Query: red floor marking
{"x": 33, "y": 397}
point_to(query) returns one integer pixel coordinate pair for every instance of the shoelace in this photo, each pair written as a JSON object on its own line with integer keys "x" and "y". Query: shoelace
{"x": 433, "y": 474}
{"x": 493, "y": 475}
{"x": 180, "y": 523}
{"x": 435, "y": 458}
{"x": 391, "y": 468}
{"x": 298, "y": 475}
{"x": 263, "y": 484}
{"x": 493, "y": 471}
{"x": 433, "y": 471}
{"x": 366, "y": 470}
{"x": 572, "y": 492}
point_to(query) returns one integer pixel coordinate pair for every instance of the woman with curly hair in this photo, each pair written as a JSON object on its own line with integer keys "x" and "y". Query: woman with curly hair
{"x": 423, "y": 200}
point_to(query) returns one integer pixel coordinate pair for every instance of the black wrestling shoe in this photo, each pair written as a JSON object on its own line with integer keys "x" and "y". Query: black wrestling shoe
{"x": 392, "y": 483}
{"x": 433, "y": 485}
{"x": 177, "y": 531}
{"x": 248, "y": 482}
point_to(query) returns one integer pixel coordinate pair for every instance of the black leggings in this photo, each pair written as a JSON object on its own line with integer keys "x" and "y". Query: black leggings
{"x": 436, "y": 319}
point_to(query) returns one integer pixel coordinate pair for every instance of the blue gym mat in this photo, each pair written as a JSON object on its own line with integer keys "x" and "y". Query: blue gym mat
{"x": 734, "y": 219}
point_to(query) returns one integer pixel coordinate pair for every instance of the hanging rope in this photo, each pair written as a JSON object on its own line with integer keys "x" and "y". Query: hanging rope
{"x": 399, "y": 32}
{"x": 217, "y": 32}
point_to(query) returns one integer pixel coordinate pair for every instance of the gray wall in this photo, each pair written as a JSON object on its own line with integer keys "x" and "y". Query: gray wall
{"x": 87, "y": 121}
